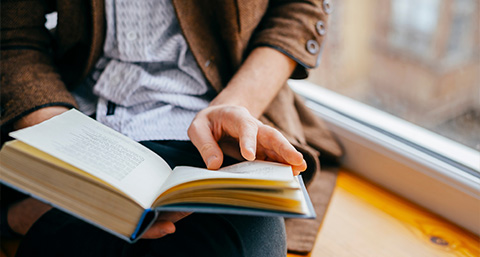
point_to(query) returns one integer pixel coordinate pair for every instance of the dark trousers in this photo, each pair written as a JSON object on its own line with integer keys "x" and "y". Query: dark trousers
{"x": 59, "y": 234}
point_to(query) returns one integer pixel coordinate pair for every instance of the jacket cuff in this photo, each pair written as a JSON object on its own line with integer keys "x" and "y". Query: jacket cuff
{"x": 297, "y": 29}
{"x": 29, "y": 82}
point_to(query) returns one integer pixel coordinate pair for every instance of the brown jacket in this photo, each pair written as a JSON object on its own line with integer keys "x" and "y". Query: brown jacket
{"x": 39, "y": 67}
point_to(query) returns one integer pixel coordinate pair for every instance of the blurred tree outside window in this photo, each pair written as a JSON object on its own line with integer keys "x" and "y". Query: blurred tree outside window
{"x": 416, "y": 59}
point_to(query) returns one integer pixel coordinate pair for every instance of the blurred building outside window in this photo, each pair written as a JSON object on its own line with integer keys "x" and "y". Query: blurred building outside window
{"x": 416, "y": 59}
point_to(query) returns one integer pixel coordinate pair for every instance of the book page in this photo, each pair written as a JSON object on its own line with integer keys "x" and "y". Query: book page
{"x": 258, "y": 170}
{"x": 96, "y": 149}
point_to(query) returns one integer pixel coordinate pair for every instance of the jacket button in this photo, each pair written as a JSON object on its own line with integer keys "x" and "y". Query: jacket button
{"x": 320, "y": 26}
{"x": 312, "y": 46}
{"x": 327, "y": 6}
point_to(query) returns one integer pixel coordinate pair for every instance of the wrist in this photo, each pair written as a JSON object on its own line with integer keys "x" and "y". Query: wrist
{"x": 258, "y": 81}
{"x": 39, "y": 116}
{"x": 21, "y": 216}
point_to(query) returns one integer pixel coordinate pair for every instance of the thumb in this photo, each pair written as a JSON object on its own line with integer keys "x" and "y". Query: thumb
{"x": 159, "y": 229}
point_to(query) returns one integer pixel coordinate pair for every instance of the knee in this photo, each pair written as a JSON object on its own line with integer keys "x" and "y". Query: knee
{"x": 262, "y": 236}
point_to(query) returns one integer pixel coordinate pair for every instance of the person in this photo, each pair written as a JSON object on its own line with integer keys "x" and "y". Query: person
{"x": 201, "y": 84}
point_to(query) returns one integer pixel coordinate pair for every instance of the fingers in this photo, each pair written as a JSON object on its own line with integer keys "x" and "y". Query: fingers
{"x": 277, "y": 147}
{"x": 254, "y": 139}
{"x": 164, "y": 224}
{"x": 173, "y": 216}
{"x": 213, "y": 123}
{"x": 248, "y": 131}
{"x": 236, "y": 122}
{"x": 230, "y": 147}
{"x": 200, "y": 134}
{"x": 159, "y": 229}
{"x": 299, "y": 168}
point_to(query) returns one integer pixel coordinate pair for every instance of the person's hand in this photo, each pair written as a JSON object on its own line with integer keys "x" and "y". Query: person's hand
{"x": 22, "y": 215}
{"x": 164, "y": 224}
{"x": 240, "y": 135}
{"x": 39, "y": 116}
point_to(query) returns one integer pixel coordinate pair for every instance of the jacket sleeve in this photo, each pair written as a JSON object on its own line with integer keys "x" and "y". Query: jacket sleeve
{"x": 297, "y": 29}
{"x": 29, "y": 78}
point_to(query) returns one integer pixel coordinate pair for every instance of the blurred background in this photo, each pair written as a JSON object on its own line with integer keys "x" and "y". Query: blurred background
{"x": 416, "y": 59}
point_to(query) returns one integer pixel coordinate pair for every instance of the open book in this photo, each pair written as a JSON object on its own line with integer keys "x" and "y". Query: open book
{"x": 95, "y": 173}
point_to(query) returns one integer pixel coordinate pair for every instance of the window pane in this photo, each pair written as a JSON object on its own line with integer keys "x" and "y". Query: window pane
{"x": 416, "y": 59}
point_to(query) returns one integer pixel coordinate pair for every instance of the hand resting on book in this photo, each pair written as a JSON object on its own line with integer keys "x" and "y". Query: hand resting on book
{"x": 230, "y": 124}
{"x": 232, "y": 130}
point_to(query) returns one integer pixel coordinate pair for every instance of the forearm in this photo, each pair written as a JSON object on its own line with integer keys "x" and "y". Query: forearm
{"x": 232, "y": 116}
{"x": 258, "y": 81}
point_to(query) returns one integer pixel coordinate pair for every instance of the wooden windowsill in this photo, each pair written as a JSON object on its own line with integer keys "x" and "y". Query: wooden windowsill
{"x": 366, "y": 220}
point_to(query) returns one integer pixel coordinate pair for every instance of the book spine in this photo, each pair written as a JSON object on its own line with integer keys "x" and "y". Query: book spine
{"x": 307, "y": 198}
{"x": 149, "y": 216}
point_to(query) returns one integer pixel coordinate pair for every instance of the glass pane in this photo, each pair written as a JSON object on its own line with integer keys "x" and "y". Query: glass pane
{"x": 416, "y": 59}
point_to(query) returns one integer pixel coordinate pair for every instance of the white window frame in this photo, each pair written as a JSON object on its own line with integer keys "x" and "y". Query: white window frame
{"x": 432, "y": 171}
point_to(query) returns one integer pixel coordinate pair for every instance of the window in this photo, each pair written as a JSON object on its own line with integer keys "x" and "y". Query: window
{"x": 399, "y": 83}
{"x": 413, "y": 24}
{"x": 416, "y": 59}
{"x": 461, "y": 39}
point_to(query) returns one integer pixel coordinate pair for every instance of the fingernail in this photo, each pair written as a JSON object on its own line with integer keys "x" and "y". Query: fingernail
{"x": 252, "y": 151}
{"x": 168, "y": 232}
{"x": 164, "y": 233}
{"x": 210, "y": 160}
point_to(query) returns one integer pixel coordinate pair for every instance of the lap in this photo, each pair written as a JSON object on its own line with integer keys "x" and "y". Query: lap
{"x": 59, "y": 234}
